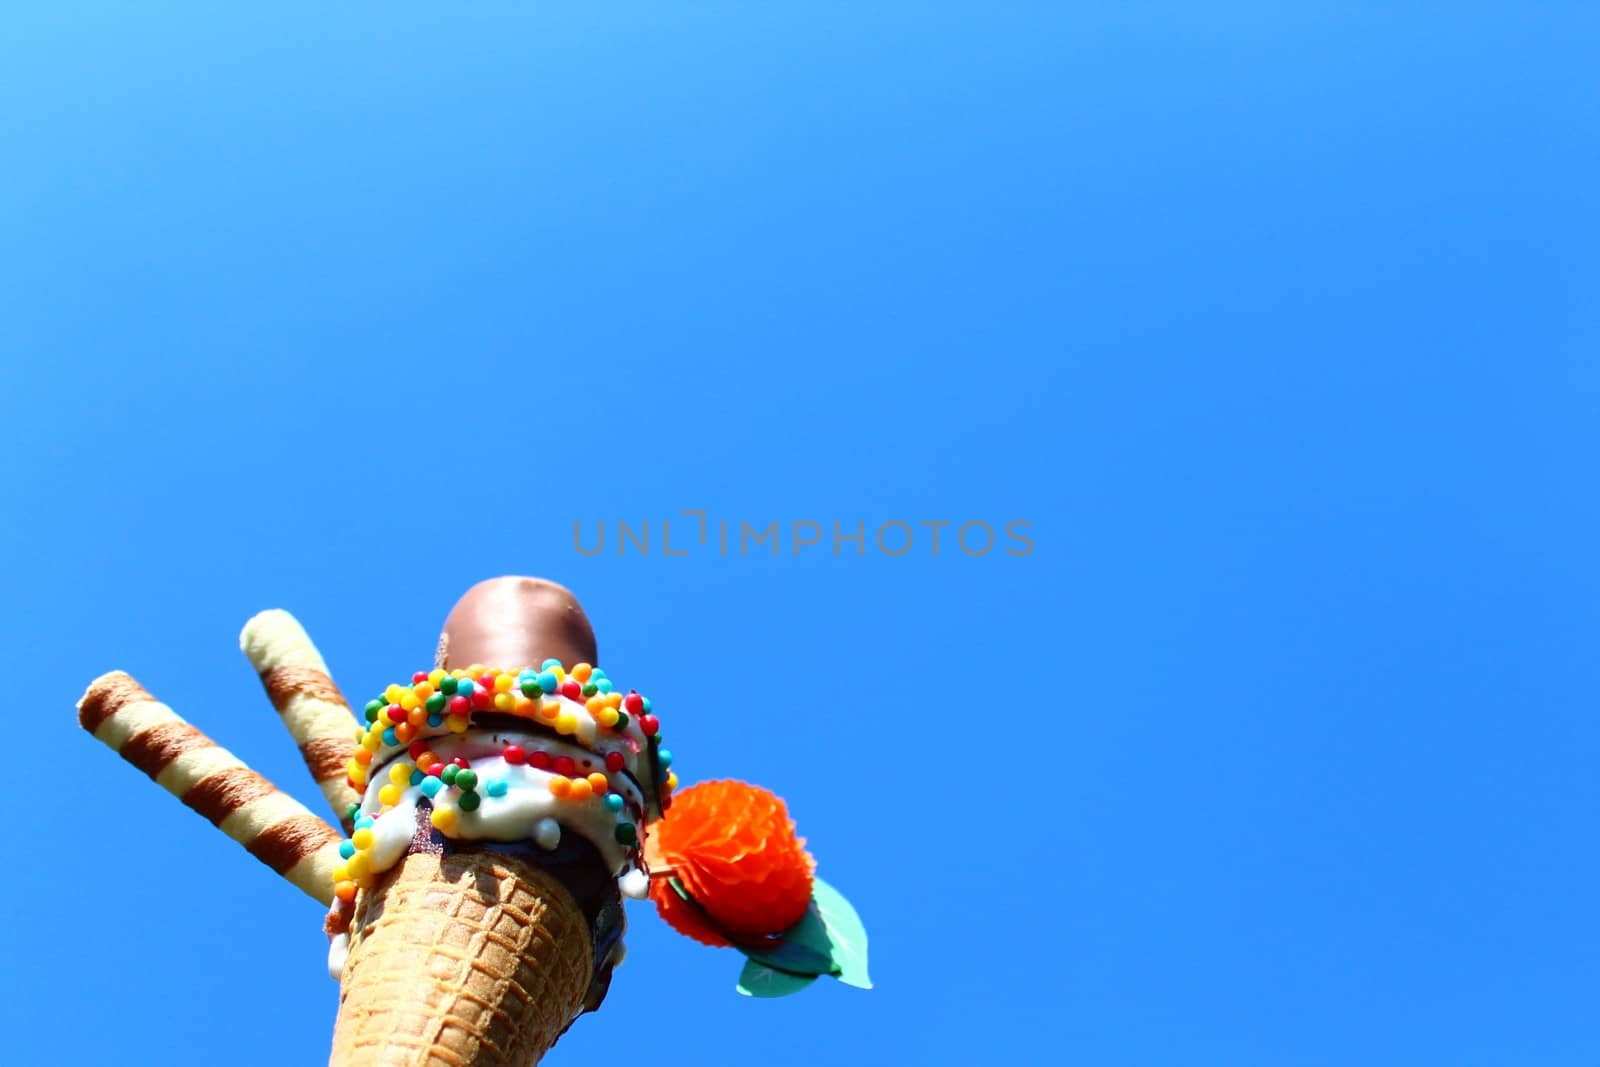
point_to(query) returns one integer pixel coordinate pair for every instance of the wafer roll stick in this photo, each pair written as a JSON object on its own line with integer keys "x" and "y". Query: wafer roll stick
{"x": 274, "y": 827}
{"x": 313, "y": 709}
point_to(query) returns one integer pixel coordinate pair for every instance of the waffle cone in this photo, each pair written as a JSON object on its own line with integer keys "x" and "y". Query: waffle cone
{"x": 469, "y": 959}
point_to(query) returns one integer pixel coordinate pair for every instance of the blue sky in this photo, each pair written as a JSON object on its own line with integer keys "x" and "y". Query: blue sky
{"x": 1277, "y": 327}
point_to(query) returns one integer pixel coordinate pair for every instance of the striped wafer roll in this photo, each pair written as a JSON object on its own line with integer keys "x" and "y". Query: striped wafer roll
{"x": 316, "y": 714}
{"x": 274, "y": 827}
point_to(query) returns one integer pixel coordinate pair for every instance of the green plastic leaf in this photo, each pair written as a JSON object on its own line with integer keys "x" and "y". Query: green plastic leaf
{"x": 759, "y": 980}
{"x": 804, "y": 948}
{"x": 847, "y": 936}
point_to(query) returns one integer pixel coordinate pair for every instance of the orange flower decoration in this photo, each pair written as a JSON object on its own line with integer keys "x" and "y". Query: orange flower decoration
{"x": 733, "y": 847}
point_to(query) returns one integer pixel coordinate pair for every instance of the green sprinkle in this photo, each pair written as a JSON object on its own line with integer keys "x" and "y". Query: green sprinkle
{"x": 466, "y": 781}
{"x": 468, "y": 801}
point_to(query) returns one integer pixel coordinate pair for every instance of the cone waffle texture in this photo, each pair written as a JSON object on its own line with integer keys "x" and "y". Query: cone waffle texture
{"x": 472, "y": 958}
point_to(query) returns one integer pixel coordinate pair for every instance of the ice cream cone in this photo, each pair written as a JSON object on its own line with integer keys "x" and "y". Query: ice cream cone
{"x": 468, "y": 959}
{"x": 467, "y": 954}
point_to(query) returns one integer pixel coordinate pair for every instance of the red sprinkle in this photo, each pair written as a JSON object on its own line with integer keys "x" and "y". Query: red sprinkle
{"x": 418, "y": 747}
{"x": 649, "y": 724}
{"x": 539, "y": 761}
{"x": 515, "y": 755}
{"x": 634, "y": 703}
{"x": 460, "y": 705}
{"x": 436, "y": 769}
{"x": 395, "y": 713}
{"x": 482, "y": 698}
{"x": 614, "y": 761}
{"x": 420, "y": 676}
{"x": 564, "y": 765}
{"x": 461, "y": 761}
{"x": 572, "y": 690}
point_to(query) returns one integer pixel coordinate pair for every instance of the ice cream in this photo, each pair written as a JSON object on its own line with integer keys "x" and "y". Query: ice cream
{"x": 529, "y": 778}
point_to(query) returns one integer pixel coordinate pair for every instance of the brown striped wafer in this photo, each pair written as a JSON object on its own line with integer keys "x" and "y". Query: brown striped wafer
{"x": 274, "y": 827}
{"x": 313, "y": 709}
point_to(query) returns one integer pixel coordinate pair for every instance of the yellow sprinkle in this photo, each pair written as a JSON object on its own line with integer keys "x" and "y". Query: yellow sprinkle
{"x": 566, "y": 723}
{"x": 613, "y": 699}
{"x": 456, "y": 724}
{"x": 390, "y": 795}
{"x": 504, "y": 701}
{"x": 400, "y": 773}
{"x": 608, "y": 717}
{"x": 672, "y": 780}
{"x": 502, "y": 683}
{"x": 409, "y": 700}
{"x": 444, "y": 819}
{"x": 435, "y": 676}
{"x": 393, "y": 694}
{"x": 352, "y": 768}
{"x": 560, "y": 674}
{"x": 373, "y": 741}
{"x": 360, "y": 866}
{"x": 341, "y": 872}
{"x": 361, "y": 734}
{"x": 362, "y": 839}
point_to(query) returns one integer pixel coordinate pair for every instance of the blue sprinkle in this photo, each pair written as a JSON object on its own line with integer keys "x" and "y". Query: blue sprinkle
{"x": 496, "y": 788}
{"x": 431, "y": 785}
{"x": 596, "y": 674}
{"x": 435, "y": 720}
{"x": 418, "y": 776}
{"x": 347, "y": 849}
{"x": 665, "y": 756}
{"x": 547, "y": 664}
{"x": 363, "y": 822}
{"x": 613, "y": 802}
{"x": 644, "y": 703}
{"x": 604, "y": 685}
{"x": 389, "y": 738}
{"x": 547, "y": 681}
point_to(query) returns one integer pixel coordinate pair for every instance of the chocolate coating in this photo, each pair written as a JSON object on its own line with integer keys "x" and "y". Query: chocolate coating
{"x": 516, "y": 622}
